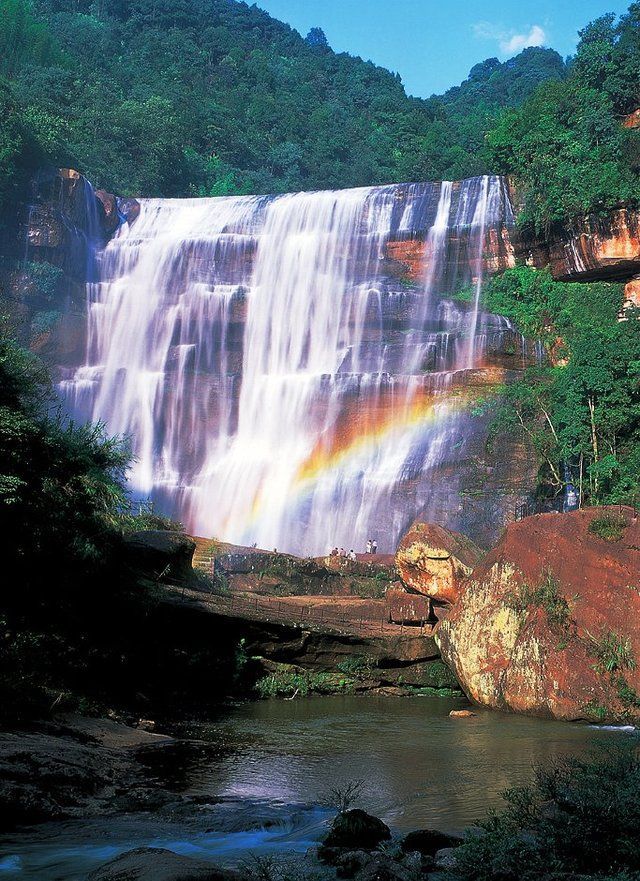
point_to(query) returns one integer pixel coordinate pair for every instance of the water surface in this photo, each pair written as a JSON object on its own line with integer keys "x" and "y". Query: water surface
{"x": 265, "y": 788}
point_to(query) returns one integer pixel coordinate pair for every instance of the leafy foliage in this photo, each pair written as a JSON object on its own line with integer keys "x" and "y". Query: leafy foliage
{"x": 584, "y": 407}
{"x": 75, "y": 606}
{"x": 210, "y": 97}
{"x": 546, "y": 595}
{"x": 609, "y": 527}
{"x": 613, "y": 653}
{"x": 579, "y": 818}
{"x": 566, "y": 144}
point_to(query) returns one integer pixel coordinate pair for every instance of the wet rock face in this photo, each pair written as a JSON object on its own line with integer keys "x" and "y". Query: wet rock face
{"x": 593, "y": 249}
{"x": 159, "y": 864}
{"x": 66, "y": 217}
{"x": 546, "y": 625}
{"x": 434, "y": 561}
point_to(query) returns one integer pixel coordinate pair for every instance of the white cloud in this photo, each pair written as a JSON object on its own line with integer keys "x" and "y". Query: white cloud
{"x": 510, "y": 42}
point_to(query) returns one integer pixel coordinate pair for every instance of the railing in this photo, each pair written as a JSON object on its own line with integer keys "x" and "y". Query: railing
{"x": 530, "y": 509}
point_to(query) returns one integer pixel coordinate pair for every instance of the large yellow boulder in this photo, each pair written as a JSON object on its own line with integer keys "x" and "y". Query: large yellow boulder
{"x": 434, "y": 561}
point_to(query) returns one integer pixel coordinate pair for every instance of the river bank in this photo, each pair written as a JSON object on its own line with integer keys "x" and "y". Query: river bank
{"x": 256, "y": 781}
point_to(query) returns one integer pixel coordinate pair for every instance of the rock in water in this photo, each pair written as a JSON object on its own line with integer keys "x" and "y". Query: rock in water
{"x": 428, "y": 841}
{"x": 547, "y": 624}
{"x": 356, "y": 829}
{"x": 158, "y": 864}
{"x": 434, "y": 561}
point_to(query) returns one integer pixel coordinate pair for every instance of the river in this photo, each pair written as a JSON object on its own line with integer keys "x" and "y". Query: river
{"x": 265, "y": 787}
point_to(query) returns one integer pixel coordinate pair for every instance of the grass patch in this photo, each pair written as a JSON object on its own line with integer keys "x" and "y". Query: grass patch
{"x": 545, "y": 595}
{"x": 357, "y": 666}
{"x": 438, "y": 676}
{"x": 286, "y": 683}
{"x": 612, "y": 653}
{"x": 608, "y": 527}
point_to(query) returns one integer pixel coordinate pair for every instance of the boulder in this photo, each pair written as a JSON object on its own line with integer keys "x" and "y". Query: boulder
{"x": 162, "y": 553}
{"x": 428, "y": 842}
{"x": 110, "y": 218}
{"x": 376, "y": 866}
{"x": 129, "y": 209}
{"x": 434, "y": 561}
{"x": 632, "y": 294}
{"x": 547, "y": 623}
{"x": 158, "y": 864}
{"x": 407, "y": 608}
{"x": 445, "y": 859}
{"x": 356, "y": 830}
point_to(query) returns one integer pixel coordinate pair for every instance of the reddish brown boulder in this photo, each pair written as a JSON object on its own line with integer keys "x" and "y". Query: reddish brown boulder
{"x": 434, "y": 561}
{"x": 109, "y": 203}
{"x": 547, "y": 624}
{"x": 632, "y": 294}
{"x": 632, "y": 120}
{"x": 407, "y": 608}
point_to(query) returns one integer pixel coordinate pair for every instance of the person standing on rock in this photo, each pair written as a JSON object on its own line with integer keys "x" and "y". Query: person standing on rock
{"x": 352, "y": 555}
{"x": 374, "y": 547}
{"x": 369, "y": 546}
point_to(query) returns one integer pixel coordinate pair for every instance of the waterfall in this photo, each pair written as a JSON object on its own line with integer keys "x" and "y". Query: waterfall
{"x": 281, "y": 381}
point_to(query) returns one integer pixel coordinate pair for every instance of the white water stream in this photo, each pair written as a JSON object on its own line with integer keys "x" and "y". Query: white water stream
{"x": 279, "y": 384}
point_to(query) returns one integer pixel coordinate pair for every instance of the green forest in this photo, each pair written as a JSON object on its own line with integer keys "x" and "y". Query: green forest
{"x": 212, "y": 97}
{"x": 215, "y": 97}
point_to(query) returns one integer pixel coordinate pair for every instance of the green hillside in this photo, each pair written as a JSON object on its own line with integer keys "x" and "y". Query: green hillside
{"x": 209, "y": 97}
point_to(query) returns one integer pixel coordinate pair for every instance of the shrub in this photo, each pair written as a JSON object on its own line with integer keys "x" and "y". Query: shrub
{"x": 612, "y": 653}
{"x": 343, "y": 798}
{"x": 286, "y": 683}
{"x": 545, "y": 595}
{"x": 579, "y": 816}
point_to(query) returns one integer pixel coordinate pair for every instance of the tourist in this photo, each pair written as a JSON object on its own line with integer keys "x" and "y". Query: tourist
{"x": 343, "y": 553}
{"x": 352, "y": 555}
{"x": 369, "y": 546}
{"x": 374, "y": 547}
{"x": 334, "y": 552}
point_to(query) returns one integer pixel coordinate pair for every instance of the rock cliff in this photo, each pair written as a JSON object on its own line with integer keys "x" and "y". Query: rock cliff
{"x": 546, "y": 625}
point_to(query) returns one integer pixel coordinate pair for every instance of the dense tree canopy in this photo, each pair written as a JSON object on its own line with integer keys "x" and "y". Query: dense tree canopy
{"x": 179, "y": 97}
{"x": 567, "y": 144}
{"x": 583, "y": 408}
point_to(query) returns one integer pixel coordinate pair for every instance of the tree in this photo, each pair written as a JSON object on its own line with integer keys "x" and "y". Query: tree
{"x": 317, "y": 38}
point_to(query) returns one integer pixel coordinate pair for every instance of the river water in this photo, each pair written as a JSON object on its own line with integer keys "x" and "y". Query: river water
{"x": 264, "y": 788}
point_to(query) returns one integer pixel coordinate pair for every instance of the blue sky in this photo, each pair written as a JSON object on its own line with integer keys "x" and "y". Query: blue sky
{"x": 433, "y": 44}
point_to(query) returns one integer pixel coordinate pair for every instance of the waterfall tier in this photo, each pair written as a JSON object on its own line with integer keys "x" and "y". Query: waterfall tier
{"x": 293, "y": 371}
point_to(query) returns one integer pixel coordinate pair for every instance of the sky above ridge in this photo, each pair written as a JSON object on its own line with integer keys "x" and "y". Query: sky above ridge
{"x": 433, "y": 44}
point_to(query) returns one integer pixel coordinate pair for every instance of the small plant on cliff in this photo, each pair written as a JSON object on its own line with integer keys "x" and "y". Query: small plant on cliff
{"x": 545, "y": 595}
{"x": 609, "y": 527}
{"x": 612, "y": 652}
{"x": 343, "y": 798}
{"x": 356, "y": 666}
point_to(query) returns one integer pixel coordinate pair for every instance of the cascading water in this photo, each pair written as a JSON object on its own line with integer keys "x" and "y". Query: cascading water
{"x": 280, "y": 383}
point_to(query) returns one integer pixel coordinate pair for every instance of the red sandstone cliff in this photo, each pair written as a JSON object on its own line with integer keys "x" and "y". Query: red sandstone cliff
{"x": 547, "y": 624}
